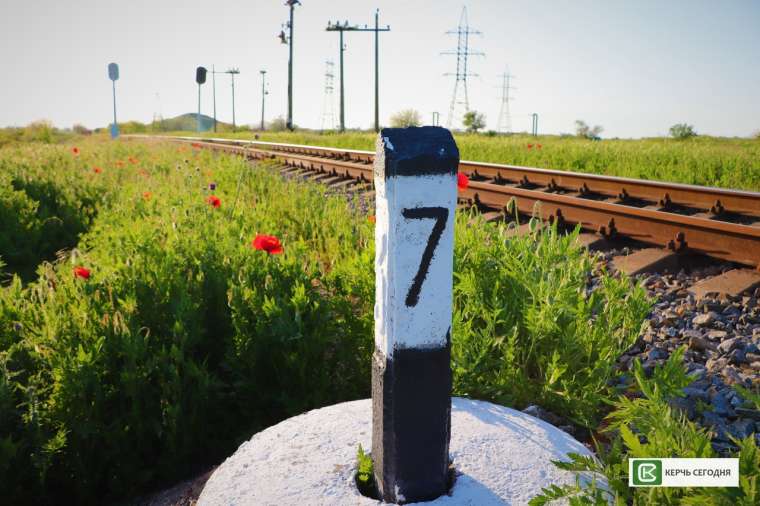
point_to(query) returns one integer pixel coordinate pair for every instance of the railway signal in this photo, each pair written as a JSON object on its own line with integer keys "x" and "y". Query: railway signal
{"x": 200, "y": 78}
{"x": 113, "y": 75}
{"x": 416, "y": 193}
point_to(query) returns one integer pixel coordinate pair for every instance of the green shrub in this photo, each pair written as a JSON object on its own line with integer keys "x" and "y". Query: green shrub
{"x": 527, "y": 328}
{"x": 184, "y": 340}
{"x": 682, "y": 131}
{"x": 648, "y": 427}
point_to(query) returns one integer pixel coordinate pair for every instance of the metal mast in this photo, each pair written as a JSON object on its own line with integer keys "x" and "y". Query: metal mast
{"x": 328, "y": 105}
{"x": 504, "y": 125}
{"x": 289, "y": 41}
{"x": 264, "y": 93}
{"x": 345, "y": 27}
{"x": 462, "y": 52}
{"x": 232, "y": 73}
{"x": 213, "y": 85}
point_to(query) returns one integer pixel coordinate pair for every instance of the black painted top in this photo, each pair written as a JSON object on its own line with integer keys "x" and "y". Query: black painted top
{"x": 415, "y": 151}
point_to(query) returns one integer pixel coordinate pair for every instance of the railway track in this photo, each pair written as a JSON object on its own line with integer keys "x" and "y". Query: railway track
{"x": 697, "y": 250}
{"x": 670, "y": 222}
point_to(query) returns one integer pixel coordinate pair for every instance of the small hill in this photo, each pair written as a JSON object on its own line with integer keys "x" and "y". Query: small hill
{"x": 188, "y": 122}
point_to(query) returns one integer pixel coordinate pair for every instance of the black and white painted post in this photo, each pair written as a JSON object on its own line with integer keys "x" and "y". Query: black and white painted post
{"x": 415, "y": 193}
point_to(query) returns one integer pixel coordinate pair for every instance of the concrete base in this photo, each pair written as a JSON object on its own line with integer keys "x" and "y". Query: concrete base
{"x": 502, "y": 456}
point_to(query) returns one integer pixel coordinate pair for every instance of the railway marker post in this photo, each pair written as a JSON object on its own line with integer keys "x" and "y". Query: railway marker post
{"x": 113, "y": 75}
{"x": 415, "y": 176}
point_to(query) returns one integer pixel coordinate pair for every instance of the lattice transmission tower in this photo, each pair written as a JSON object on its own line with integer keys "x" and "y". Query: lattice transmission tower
{"x": 328, "y": 105}
{"x": 460, "y": 102}
{"x": 504, "y": 126}
{"x": 158, "y": 117}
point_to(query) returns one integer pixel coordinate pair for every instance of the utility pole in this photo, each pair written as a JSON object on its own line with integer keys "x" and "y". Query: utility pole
{"x": 337, "y": 27}
{"x": 289, "y": 41}
{"x": 463, "y": 32}
{"x": 377, "y": 31}
{"x": 213, "y": 86}
{"x": 158, "y": 117}
{"x": 264, "y": 93}
{"x": 505, "y": 120}
{"x": 345, "y": 27}
{"x": 232, "y": 73}
{"x": 328, "y": 105}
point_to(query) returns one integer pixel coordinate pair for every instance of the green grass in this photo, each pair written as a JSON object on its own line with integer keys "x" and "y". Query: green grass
{"x": 185, "y": 340}
{"x": 708, "y": 161}
{"x": 646, "y": 426}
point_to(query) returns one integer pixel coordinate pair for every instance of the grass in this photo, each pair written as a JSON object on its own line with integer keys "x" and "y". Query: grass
{"x": 708, "y": 161}
{"x": 184, "y": 340}
{"x": 643, "y": 425}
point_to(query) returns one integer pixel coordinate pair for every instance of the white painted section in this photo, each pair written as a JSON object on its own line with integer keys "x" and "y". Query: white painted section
{"x": 503, "y": 456}
{"x": 399, "y": 246}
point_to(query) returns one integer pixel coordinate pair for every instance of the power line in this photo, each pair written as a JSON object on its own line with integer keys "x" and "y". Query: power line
{"x": 328, "y": 105}
{"x": 463, "y": 32}
{"x": 345, "y": 27}
{"x": 504, "y": 125}
{"x": 232, "y": 73}
{"x": 264, "y": 94}
{"x": 158, "y": 117}
{"x": 289, "y": 41}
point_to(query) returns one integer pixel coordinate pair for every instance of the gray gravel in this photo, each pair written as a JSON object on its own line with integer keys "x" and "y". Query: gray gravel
{"x": 723, "y": 339}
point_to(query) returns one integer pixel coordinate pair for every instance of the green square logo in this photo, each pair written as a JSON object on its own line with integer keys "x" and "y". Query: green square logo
{"x": 646, "y": 473}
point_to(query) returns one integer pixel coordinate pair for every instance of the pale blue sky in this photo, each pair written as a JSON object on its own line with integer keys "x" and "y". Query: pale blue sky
{"x": 634, "y": 67}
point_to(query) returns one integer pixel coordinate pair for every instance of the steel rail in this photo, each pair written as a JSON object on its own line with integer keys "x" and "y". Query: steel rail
{"x": 695, "y": 199}
{"x": 505, "y": 188}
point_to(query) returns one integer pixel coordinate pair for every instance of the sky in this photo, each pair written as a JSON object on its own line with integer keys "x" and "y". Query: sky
{"x": 633, "y": 67}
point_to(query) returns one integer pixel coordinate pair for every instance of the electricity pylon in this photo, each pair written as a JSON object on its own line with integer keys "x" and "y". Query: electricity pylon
{"x": 504, "y": 126}
{"x": 328, "y": 106}
{"x": 460, "y": 102}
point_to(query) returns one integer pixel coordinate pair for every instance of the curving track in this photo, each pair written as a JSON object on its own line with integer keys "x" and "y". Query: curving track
{"x": 674, "y": 218}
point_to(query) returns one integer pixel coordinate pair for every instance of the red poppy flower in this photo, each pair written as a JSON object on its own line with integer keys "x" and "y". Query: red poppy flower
{"x": 268, "y": 243}
{"x": 214, "y": 200}
{"x": 538, "y": 146}
{"x": 119, "y": 163}
{"x": 75, "y": 150}
{"x": 146, "y": 195}
{"x": 371, "y": 219}
{"x": 462, "y": 181}
{"x": 97, "y": 170}
{"x": 133, "y": 160}
{"x": 196, "y": 145}
{"x": 81, "y": 272}
{"x": 530, "y": 146}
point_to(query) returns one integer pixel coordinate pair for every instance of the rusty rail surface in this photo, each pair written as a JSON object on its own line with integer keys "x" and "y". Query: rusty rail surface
{"x": 717, "y": 222}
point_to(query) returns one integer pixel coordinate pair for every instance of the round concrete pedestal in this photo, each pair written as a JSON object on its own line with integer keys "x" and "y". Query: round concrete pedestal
{"x": 502, "y": 456}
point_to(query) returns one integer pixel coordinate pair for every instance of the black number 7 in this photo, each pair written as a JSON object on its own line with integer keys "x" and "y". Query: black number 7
{"x": 440, "y": 215}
